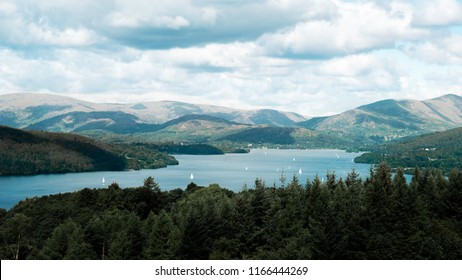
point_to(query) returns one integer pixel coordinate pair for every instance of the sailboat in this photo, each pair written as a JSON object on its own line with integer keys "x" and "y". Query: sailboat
{"x": 103, "y": 181}
{"x": 300, "y": 171}
{"x": 246, "y": 168}
{"x": 191, "y": 177}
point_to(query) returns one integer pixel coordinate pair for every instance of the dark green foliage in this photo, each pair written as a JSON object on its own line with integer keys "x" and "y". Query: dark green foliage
{"x": 441, "y": 150}
{"x": 270, "y": 134}
{"x": 16, "y": 237}
{"x": 163, "y": 237}
{"x": 67, "y": 242}
{"x": 115, "y": 234}
{"x": 381, "y": 217}
{"x": 186, "y": 149}
{"x": 32, "y": 152}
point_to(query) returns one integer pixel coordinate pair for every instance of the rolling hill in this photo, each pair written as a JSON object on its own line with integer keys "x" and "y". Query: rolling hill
{"x": 116, "y": 122}
{"x": 436, "y": 150}
{"x": 192, "y": 128}
{"x": 23, "y": 110}
{"x": 390, "y": 119}
{"x": 162, "y": 121}
{"x": 36, "y": 152}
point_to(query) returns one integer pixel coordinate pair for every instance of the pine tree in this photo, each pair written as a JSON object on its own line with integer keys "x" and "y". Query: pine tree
{"x": 163, "y": 237}
{"x": 16, "y": 234}
{"x": 67, "y": 242}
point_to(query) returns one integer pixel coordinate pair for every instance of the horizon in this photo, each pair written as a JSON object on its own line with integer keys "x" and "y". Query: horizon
{"x": 314, "y": 58}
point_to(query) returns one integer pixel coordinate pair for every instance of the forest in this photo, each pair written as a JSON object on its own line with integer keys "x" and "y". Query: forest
{"x": 442, "y": 150}
{"x": 25, "y": 152}
{"x": 379, "y": 217}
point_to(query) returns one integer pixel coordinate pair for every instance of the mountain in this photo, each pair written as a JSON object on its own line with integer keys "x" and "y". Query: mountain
{"x": 36, "y": 152}
{"x": 24, "y": 110}
{"x": 183, "y": 122}
{"x": 436, "y": 150}
{"x": 389, "y": 119}
{"x": 116, "y": 122}
{"x": 192, "y": 128}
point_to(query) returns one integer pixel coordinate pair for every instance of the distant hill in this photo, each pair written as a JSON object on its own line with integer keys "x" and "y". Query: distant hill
{"x": 188, "y": 118}
{"x": 116, "y": 122}
{"x": 32, "y": 152}
{"x": 262, "y": 135}
{"x": 193, "y": 128}
{"x": 390, "y": 119}
{"x": 162, "y": 121}
{"x": 23, "y": 110}
{"x": 436, "y": 150}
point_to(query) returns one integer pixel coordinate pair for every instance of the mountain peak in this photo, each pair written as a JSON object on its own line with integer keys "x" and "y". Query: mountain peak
{"x": 25, "y": 109}
{"x": 391, "y": 118}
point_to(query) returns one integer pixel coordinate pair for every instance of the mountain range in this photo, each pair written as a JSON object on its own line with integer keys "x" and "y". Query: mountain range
{"x": 392, "y": 119}
{"x": 23, "y": 110}
{"x": 177, "y": 121}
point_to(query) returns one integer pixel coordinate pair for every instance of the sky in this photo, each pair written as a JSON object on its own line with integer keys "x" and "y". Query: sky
{"x": 313, "y": 57}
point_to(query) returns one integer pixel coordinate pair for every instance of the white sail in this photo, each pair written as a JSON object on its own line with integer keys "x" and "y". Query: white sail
{"x": 191, "y": 177}
{"x": 103, "y": 181}
{"x": 300, "y": 171}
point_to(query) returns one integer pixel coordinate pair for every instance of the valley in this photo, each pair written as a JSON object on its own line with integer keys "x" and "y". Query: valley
{"x": 168, "y": 127}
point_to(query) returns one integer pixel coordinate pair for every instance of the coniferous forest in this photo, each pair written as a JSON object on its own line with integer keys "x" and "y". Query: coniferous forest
{"x": 380, "y": 217}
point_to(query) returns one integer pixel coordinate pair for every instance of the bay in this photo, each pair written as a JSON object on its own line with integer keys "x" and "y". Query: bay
{"x": 230, "y": 171}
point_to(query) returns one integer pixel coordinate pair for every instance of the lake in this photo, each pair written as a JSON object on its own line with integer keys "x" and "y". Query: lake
{"x": 230, "y": 171}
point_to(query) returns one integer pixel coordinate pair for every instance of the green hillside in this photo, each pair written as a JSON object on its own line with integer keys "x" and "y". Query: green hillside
{"x": 437, "y": 150}
{"x": 260, "y": 135}
{"x": 33, "y": 152}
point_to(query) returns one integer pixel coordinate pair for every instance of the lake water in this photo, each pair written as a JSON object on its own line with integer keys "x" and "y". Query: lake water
{"x": 231, "y": 171}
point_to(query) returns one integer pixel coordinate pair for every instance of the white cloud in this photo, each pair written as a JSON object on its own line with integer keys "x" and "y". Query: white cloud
{"x": 160, "y": 14}
{"x": 44, "y": 35}
{"x": 7, "y": 8}
{"x": 307, "y": 9}
{"x": 359, "y": 27}
{"x": 362, "y": 72}
{"x": 20, "y": 26}
{"x": 438, "y": 13}
{"x": 316, "y": 57}
{"x": 119, "y": 19}
{"x": 446, "y": 50}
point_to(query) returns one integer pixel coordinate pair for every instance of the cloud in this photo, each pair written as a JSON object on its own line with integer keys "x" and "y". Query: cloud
{"x": 28, "y": 27}
{"x": 362, "y": 72}
{"x": 316, "y": 57}
{"x": 358, "y": 28}
{"x": 438, "y": 13}
{"x": 171, "y": 24}
{"x": 445, "y": 50}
